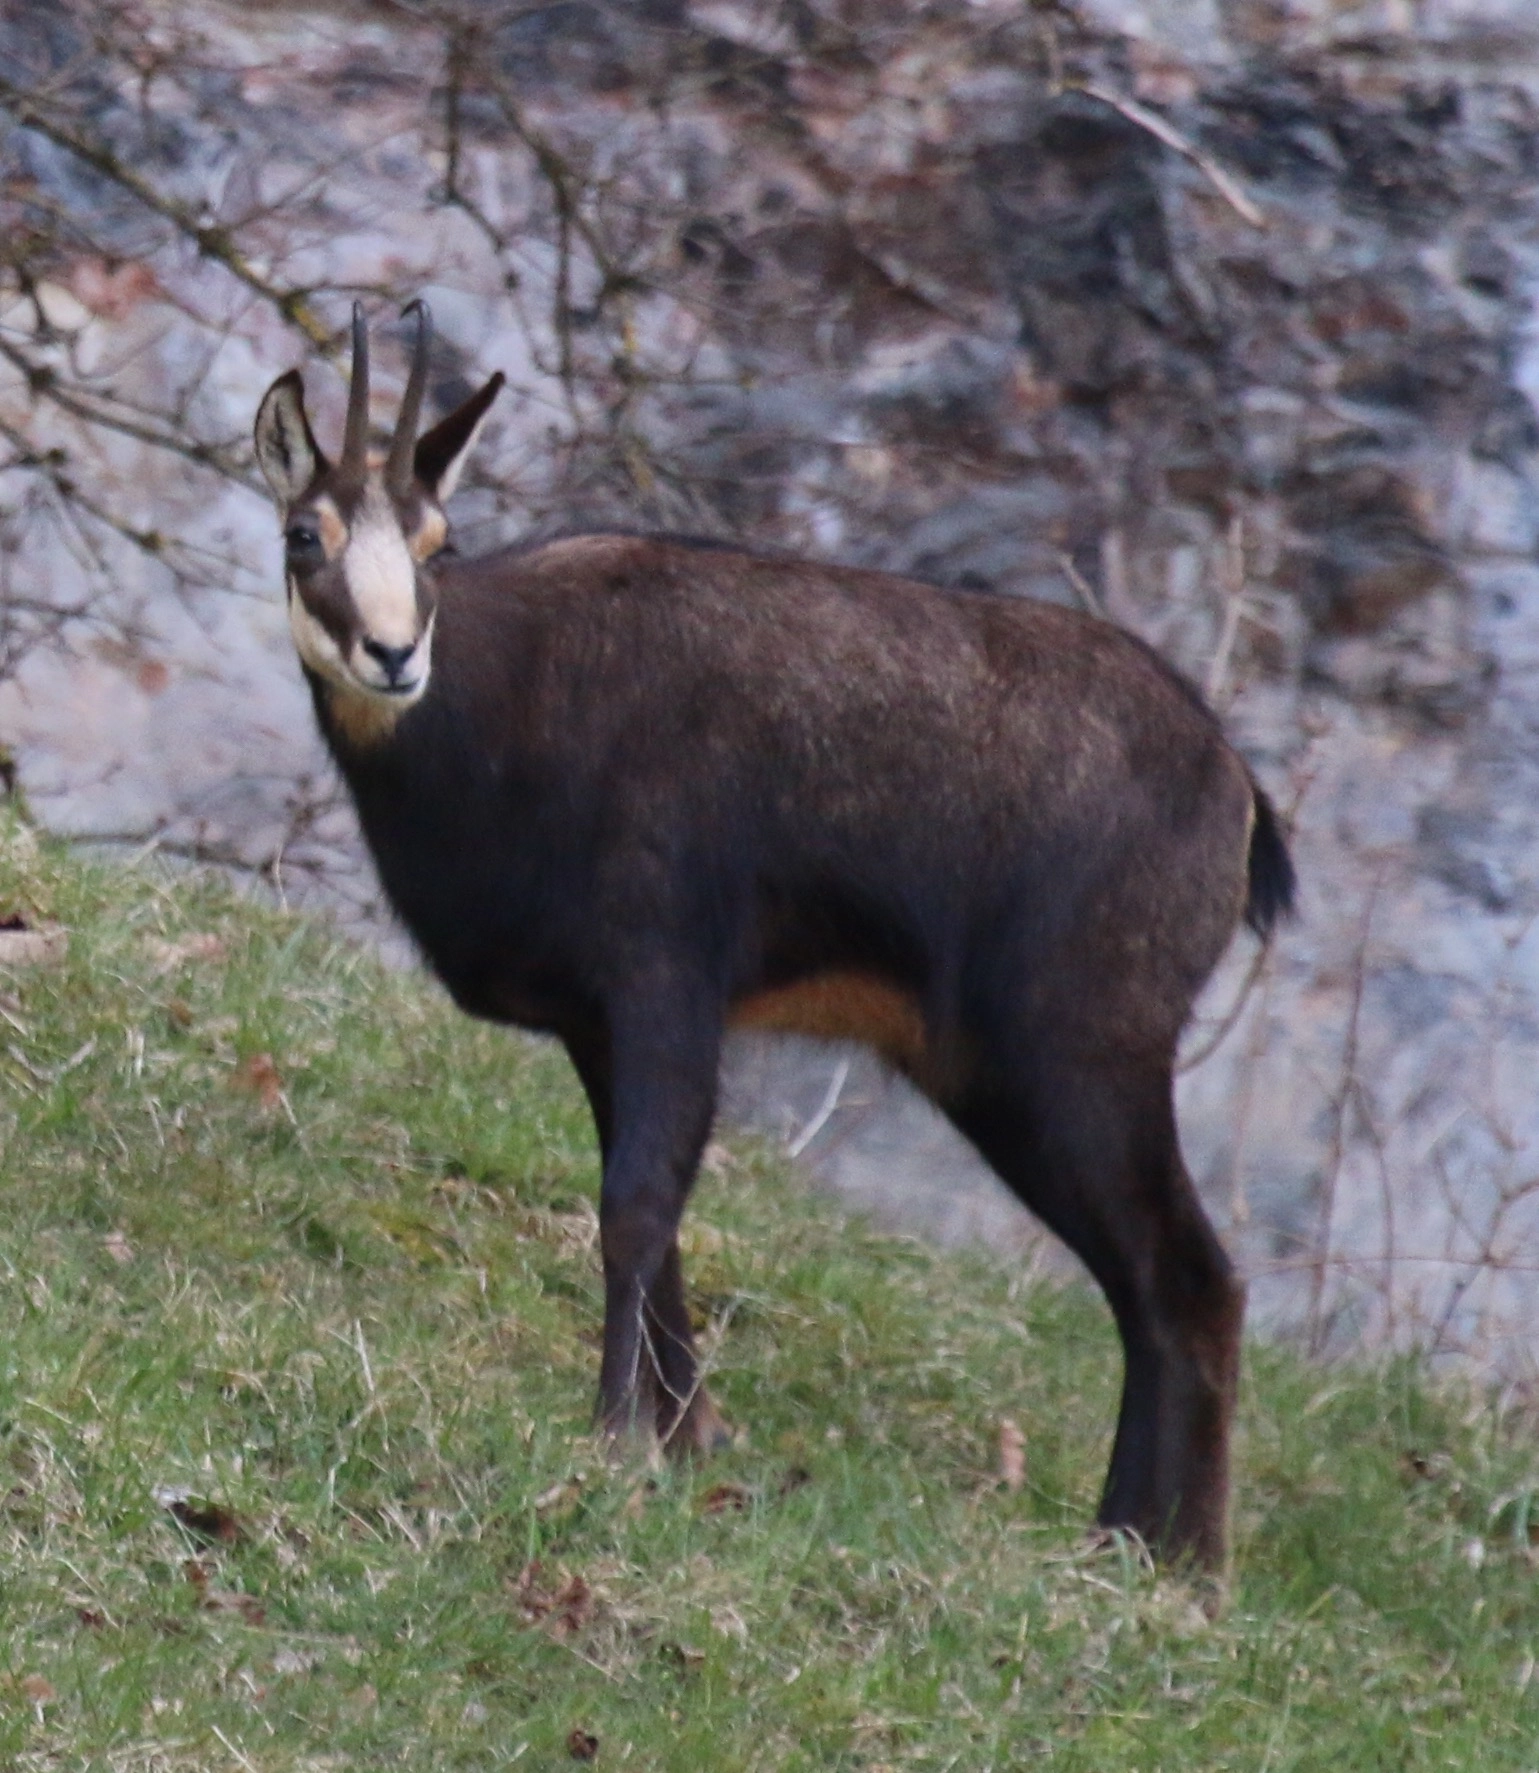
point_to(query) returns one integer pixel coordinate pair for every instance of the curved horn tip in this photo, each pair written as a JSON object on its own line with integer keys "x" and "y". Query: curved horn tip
{"x": 398, "y": 468}
{"x": 424, "y": 316}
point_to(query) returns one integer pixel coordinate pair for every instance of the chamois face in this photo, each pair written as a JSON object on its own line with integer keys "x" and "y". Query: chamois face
{"x": 358, "y": 532}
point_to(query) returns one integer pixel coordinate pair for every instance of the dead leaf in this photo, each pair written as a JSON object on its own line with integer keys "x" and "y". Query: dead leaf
{"x": 118, "y": 1248}
{"x": 259, "y": 1075}
{"x": 564, "y": 1604}
{"x": 206, "y": 1520}
{"x": 726, "y": 1498}
{"x": 582, "y": 1745}
{"x": 685, "y": 1657}
{"x": 223, "y": 1600}
{"x": 1012, "y": 1455}
{"x": 112, "y": 288}
{"x": 568, "y": 1490}
{"x": 168, "y": 956}
{"x": 40, "y": 1690}
{"x": 23, "y": 944}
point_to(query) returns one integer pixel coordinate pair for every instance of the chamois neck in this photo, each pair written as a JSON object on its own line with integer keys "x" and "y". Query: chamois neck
{"x": 358, "y": 723}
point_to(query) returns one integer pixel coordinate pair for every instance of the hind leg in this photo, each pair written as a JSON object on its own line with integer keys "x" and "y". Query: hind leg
{"x": 1092, "y": 1150}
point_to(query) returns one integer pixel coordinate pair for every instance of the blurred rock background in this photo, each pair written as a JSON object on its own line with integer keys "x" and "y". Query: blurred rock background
{"x": 1219, "y": 316}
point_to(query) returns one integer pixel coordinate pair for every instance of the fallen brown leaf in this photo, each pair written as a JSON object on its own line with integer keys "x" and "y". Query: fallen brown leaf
{"x": 207, "y": 1520}
{"x": 118, "y": 1248}
{"x": 726, "y": 1498}
{"x": 40, "y": 1690}
{"x": 582, "y": 1745}
{"x": 685, "y": 1657}
{"x": 221, "y": 1600}
{"x": 259, "y": 1075}
{"x": 568, "y": 1490}
{"x": 563, "y": 1604}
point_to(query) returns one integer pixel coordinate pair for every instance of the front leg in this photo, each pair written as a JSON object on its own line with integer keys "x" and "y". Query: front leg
{"x": 653, "y": 1090}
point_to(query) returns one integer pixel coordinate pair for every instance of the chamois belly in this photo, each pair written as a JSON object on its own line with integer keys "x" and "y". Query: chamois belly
{"x": 842, "y": 1005}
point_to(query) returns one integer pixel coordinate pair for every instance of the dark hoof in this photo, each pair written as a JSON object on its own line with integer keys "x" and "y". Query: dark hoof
{"x": 700, "y": 1430}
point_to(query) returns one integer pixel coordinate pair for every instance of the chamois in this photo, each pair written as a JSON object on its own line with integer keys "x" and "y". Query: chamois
{"x": 632, "y": 790}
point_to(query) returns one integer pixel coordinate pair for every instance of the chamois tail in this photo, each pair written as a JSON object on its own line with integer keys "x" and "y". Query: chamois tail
{"x": 1270, "y": 870}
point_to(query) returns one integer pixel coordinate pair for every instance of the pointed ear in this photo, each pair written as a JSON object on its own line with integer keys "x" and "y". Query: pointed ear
{"x": 286, "y": 450}
{"x": 443, "y": 451}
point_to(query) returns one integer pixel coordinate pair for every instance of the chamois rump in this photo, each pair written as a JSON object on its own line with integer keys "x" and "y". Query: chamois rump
{"x": 631, "y": 791}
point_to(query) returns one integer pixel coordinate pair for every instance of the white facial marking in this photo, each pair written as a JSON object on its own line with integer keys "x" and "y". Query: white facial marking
{"x": 381, "y": 578}
{"x": 369, "y": 675}
{"x": 333, "y": 529}
{"x": 314, "y": 645}
{"x": 450, "y": 478}
{"x": 365, "y": 714}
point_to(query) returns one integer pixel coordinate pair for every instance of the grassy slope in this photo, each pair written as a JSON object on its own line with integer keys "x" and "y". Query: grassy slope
{"x": 358, "y": 1319}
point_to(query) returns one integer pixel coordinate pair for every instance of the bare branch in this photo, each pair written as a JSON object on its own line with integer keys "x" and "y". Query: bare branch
{"x": 212, "y": 241}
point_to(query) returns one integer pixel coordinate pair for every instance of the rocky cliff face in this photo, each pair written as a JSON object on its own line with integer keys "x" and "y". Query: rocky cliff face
{"x": 1217, "y": 317}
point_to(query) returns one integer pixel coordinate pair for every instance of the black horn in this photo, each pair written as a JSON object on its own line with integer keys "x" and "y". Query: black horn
{"x": 355, "y": 439}
{"x": 398, "y": 470}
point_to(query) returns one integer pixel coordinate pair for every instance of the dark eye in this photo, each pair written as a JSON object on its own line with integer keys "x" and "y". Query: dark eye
{"x": 303, "y": 542}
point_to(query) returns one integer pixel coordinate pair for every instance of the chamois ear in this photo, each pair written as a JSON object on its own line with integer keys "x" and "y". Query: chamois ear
{"x": 286, "y": 450}
{"x": 442, "y": 452}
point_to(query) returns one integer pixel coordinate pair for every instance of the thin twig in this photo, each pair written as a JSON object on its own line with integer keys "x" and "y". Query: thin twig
{"x": 1080, "y": 585}
{"x": 1227, "y": 186}
{"x": 213, "y": 241}
{"x": 829, "y": 1103}
{"x": 1234, "y": 609}
{"x": 1226, "y": 1023}
{"x": 43, "y": 381}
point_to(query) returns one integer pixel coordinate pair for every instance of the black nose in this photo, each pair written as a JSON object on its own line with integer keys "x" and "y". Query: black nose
{"x": 392, "y": 658}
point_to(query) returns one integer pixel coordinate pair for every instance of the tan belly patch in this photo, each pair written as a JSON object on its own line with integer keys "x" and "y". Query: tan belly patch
{"x": 841, "y": 1006}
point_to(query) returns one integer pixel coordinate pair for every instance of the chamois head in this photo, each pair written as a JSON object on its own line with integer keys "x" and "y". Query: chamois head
{"x": 359, "y": 531}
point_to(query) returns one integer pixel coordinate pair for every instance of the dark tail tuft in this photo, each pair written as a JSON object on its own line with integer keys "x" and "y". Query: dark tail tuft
{"x": 1272, "y": 879}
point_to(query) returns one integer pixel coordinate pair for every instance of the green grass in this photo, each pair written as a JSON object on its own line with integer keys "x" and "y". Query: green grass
{"x": 299, "y": 1315}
